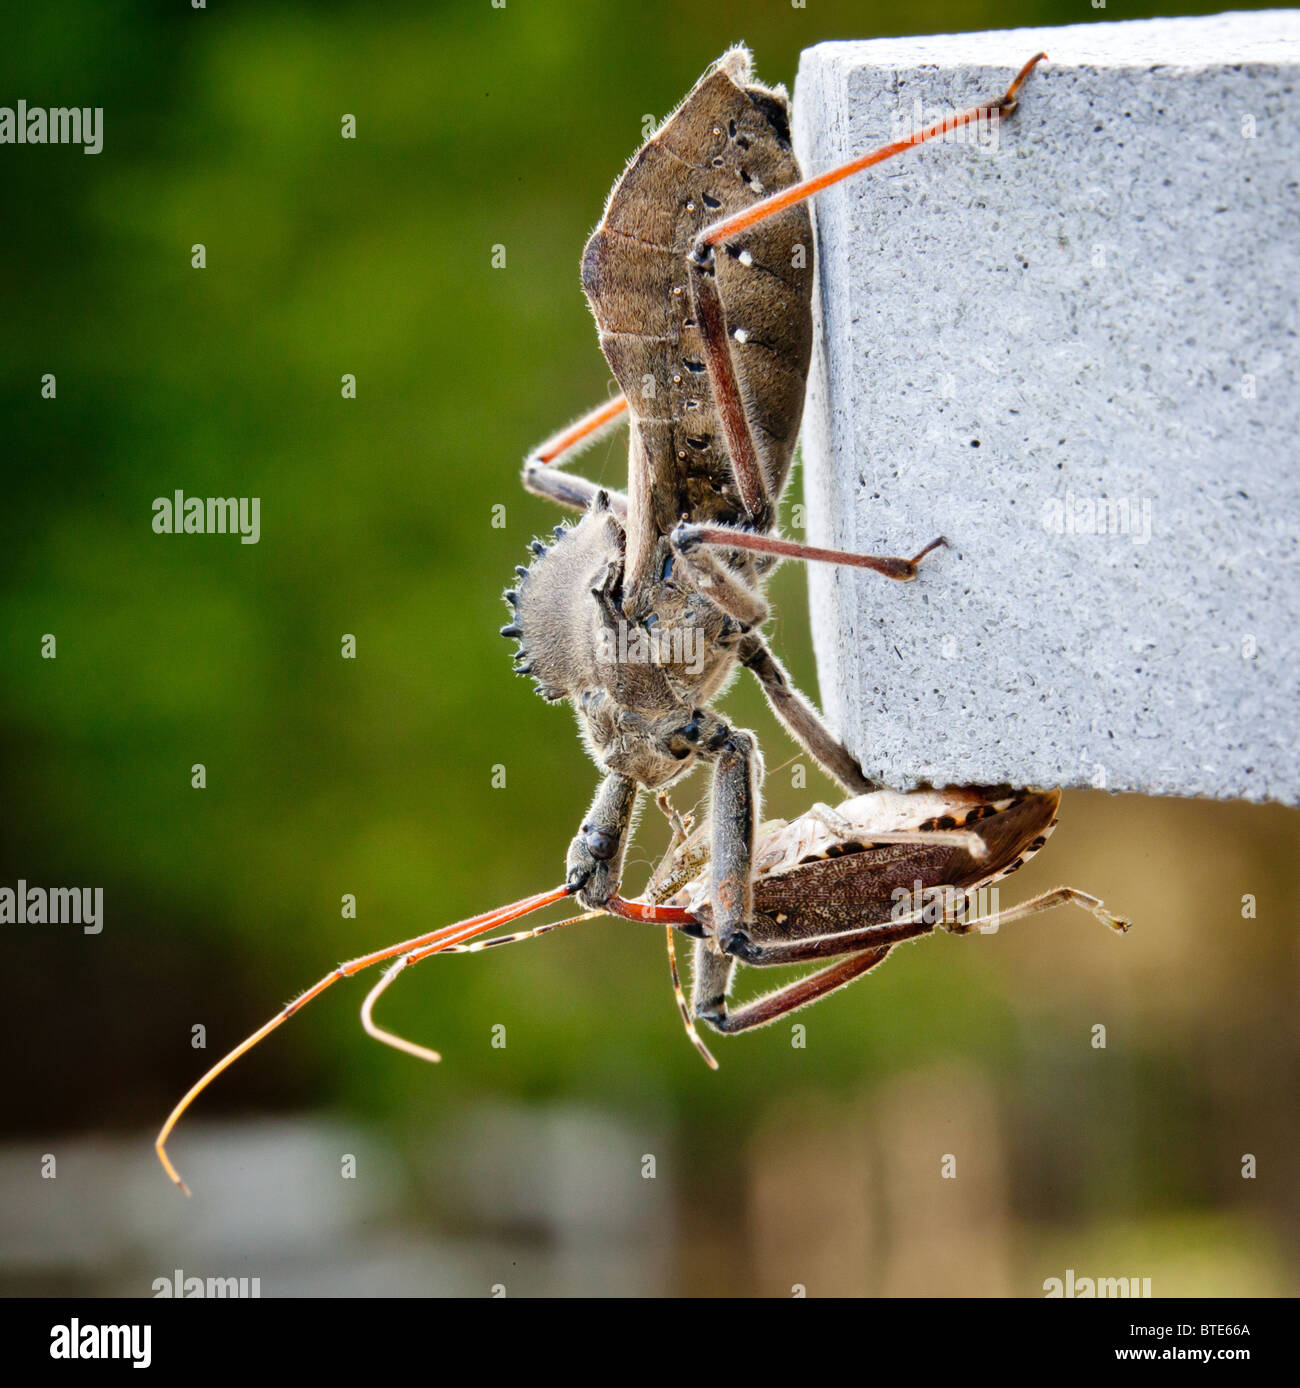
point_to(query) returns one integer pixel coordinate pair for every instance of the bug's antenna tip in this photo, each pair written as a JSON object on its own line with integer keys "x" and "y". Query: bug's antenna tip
{"x": 173, "y": 1173}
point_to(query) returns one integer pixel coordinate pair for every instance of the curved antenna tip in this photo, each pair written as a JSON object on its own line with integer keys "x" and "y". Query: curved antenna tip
{"x": 171, "y": 1171}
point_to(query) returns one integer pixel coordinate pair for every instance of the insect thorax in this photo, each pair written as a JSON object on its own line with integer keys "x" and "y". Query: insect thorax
{"x": 632, "y": 681}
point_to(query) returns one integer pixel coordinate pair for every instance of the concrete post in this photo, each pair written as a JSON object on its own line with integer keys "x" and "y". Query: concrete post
{"x": 1069, "y": 343}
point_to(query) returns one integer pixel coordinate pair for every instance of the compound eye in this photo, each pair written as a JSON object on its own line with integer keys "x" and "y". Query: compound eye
{"x": 683, "y": 742}
{"x": 600, "y": 843}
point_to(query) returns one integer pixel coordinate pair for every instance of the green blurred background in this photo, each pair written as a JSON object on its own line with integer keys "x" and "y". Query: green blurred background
{"x": 520, "y": 1166}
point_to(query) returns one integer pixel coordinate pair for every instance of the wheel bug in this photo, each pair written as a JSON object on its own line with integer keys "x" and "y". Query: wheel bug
{"x": 700, "y": 277}
{"x": 847, "y": 883}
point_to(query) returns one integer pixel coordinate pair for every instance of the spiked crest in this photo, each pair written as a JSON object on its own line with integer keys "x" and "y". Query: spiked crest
{"x": 555, "y": 619}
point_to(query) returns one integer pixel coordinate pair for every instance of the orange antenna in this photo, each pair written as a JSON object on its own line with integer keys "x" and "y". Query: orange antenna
{"x": 414, "y": 956}
{"x": 431, "y": 941}
{"x": 687, "y": 1020}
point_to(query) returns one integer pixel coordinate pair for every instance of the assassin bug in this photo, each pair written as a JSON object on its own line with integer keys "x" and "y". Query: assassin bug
{"x": 844, "y": 884}
{"x": 700, "y": 278}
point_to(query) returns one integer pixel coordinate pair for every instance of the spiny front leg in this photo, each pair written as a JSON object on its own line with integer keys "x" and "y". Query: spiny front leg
{"x": 594, "y": 865}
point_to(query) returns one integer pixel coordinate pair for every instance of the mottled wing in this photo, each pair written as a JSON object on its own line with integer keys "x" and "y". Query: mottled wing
{"x": 860, "y": 882}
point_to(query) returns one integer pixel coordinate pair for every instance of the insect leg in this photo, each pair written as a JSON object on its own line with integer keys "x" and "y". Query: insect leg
{"x": 800, "y": 993}
{"x": 581, "y": 434}
{"x": 1059, "y": 896}
{"x": 733, "y": 816}
{"x": 741, "y": 449}
{"x": 760, "y": 945}
{"x": 801, "y": 720}
{"x": 686, "y": 539}
{"x": 543, "y": 477}
{"x": 830, "y": 819}
{"x": 724, "y": 589}
{"x": 516, "y": 938}
{"x": 965, "y": 839}
{"x": 679, "y": 826}
{"x": 722, "y": 231}
{"x": 567, "y": 489}
{"x": 594, "y": 864}
{"x": 682, "y": 1006}
{"x": 711, "y": 976}
{"x": 684, "y": 858}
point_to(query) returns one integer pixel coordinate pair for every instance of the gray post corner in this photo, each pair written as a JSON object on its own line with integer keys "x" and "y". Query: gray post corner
{"x": 1069, "y": 343}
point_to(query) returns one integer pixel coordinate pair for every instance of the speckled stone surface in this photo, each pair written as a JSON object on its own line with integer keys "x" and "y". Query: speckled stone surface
{"x": 1071, "y": 345}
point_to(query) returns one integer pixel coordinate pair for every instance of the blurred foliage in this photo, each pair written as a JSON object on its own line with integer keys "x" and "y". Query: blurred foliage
{"x": 476, "y": 127}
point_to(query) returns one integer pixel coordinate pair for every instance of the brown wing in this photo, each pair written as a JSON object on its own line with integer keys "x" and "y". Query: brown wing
{"x": 855, "y": 884}
{"x": 723, "y": 149}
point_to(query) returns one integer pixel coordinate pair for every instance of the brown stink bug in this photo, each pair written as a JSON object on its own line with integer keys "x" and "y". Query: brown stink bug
{"x": 845, "y": 884}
